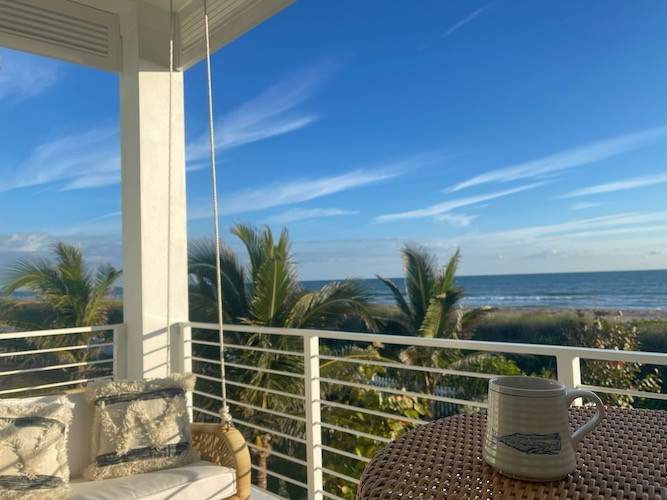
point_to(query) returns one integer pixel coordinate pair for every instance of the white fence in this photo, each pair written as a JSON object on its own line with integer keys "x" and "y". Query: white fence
{"x": 294, "y": 403}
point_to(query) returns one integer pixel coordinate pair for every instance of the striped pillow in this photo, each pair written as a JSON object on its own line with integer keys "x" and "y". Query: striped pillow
{"x": 140, "y": 426}
{"x": 33, "y": 448}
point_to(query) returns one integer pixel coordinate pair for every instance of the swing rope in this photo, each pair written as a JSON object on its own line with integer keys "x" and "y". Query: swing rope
{"x": 169, "y": 174}
{"x": 224, "y": 410}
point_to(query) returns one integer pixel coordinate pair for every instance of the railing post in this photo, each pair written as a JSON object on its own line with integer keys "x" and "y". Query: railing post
{"x": 311, "y": 351}
{"x": 182, "y": 362}
{"x": 119, "y": 352}
{"x": 183, "y": 354}
{"x": 569, "y": 371}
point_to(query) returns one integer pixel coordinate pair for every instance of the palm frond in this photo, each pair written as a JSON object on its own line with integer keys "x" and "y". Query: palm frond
{"x": 447, "y": 280}
{"x": 276, "y": 289}
{"x": 439, "y": 315}
{"x": 339, "y": 369}
{"x": 69, "y": 257}
{"x": 331, "y": 305}
{"x": 74, "y": 295}
{"x": 398, "y": 297}
{"x": 419, "y": 279}
{"x": 37, "y": 276}
{"x": 284, "y": 246}
{"x": 203, "y": 293}
{"x": 441, "y": 318}
{"x": 256, "y": 244}
{"x": 470, "y": 362}
{"x": 96, "y": 308}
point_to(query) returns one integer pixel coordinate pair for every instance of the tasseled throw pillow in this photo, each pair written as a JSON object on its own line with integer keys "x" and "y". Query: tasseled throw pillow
{"x": 140, "y": 426}
{"x": 33, "y": 448}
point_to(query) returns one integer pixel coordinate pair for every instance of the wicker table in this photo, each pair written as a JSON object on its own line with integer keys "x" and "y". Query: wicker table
{"x": 625, "y": 457}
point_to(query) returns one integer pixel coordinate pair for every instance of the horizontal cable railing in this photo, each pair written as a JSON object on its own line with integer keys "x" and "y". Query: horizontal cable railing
{"x": 318, "y": 447}
{"x": 45, "y": 361}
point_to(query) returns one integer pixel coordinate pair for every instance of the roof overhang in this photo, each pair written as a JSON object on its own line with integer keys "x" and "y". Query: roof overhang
{"x": 90, "y": 32}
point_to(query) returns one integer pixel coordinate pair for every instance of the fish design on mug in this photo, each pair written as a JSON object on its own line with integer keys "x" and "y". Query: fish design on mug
{"x": 533, "y": 444}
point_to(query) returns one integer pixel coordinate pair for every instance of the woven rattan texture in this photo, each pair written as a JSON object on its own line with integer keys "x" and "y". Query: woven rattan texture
{"x": 625, "y": 457}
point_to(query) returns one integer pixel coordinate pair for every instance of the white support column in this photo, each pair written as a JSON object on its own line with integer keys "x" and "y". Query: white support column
{"x": 569, "y": 372}
{"x": 311, "y": 351}
{"x": 148, "y": 349}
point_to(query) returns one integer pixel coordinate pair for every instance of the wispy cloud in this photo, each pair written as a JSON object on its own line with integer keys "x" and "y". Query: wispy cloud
{"x": 298, "y": 214}
{"x": 300, "y": 190}
{"x": 88, "y": 159}
{"x": 91, "y": 159}
{"x": 461, "y": 220}
{"x": 630, "y": 221}
{"x": 439, "y": 209}
{"x": 105, "y": 224}
{"x": 579, "y": 244}
{"x": 297, "y": 191}
{"x": 571, "y": 158}
{"x": 469, "y": 18}
{"x": 98, "y": 248}
{"x": 622, "y": 185}
{"x": 25, "y": 242}
{"x": 25, "y": 75}
{"x": 110, "y": 215}
{"x": 584, "y": 205}
{"x": 271, "y": 113}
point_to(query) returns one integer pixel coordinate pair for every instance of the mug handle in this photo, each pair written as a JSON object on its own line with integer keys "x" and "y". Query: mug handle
{"x": 573, "y": 394}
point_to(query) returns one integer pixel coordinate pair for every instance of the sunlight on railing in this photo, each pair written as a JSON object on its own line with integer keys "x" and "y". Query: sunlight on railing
{"x": 47, "y": 361}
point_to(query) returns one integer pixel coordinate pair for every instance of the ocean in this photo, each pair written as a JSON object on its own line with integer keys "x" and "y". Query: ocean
{"x": 621, "y": 290}
{"x": 601, "y": 290}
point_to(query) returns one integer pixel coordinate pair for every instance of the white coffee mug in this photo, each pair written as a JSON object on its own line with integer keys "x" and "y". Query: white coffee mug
{"x": 527, "y": 432}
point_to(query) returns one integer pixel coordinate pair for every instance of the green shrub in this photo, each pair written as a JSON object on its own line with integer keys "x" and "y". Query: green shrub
{"x": 603, "y": 333}
{"x": 652, "y": 334}
{"x": 533, "y": 327}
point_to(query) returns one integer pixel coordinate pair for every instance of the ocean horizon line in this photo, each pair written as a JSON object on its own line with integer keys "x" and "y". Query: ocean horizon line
{"x": 460, "y": 275}
{"x": 620, "y": 290}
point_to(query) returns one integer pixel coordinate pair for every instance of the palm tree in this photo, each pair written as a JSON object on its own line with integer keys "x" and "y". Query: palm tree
{"x": 268, "y": 293}
{"x": 76, "y": 295}
{"x": 431, "y": 308}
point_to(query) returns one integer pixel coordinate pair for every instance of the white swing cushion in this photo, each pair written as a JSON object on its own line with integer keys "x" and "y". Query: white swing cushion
{"x": 194, "y": 481}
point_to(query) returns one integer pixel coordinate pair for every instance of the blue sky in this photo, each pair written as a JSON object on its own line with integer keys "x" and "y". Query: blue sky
{"x": 531, "y": 134}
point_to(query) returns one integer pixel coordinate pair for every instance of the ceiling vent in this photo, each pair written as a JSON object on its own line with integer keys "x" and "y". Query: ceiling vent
{"x": 62, "y": 29}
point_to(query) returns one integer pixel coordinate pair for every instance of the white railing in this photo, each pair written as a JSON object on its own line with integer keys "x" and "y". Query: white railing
{"x": 322, "y": 435}
{"x": 40, "y": 361}
{"x": 306, "y": 398}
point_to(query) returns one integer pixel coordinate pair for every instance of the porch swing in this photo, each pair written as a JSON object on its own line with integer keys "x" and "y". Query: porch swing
{"x": 221, "y": 444}
{"x": 224, "y": 471}
{"x": 218, "y": 443}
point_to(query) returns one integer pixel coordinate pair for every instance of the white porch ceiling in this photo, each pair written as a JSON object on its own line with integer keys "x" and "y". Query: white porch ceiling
{"x": 228, "y": 19}
{"x": 62, "y": 29}
{"x": 90, "y": 32}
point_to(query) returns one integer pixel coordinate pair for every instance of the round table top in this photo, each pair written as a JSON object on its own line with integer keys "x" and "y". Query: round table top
{"x": 624, "y": 457}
